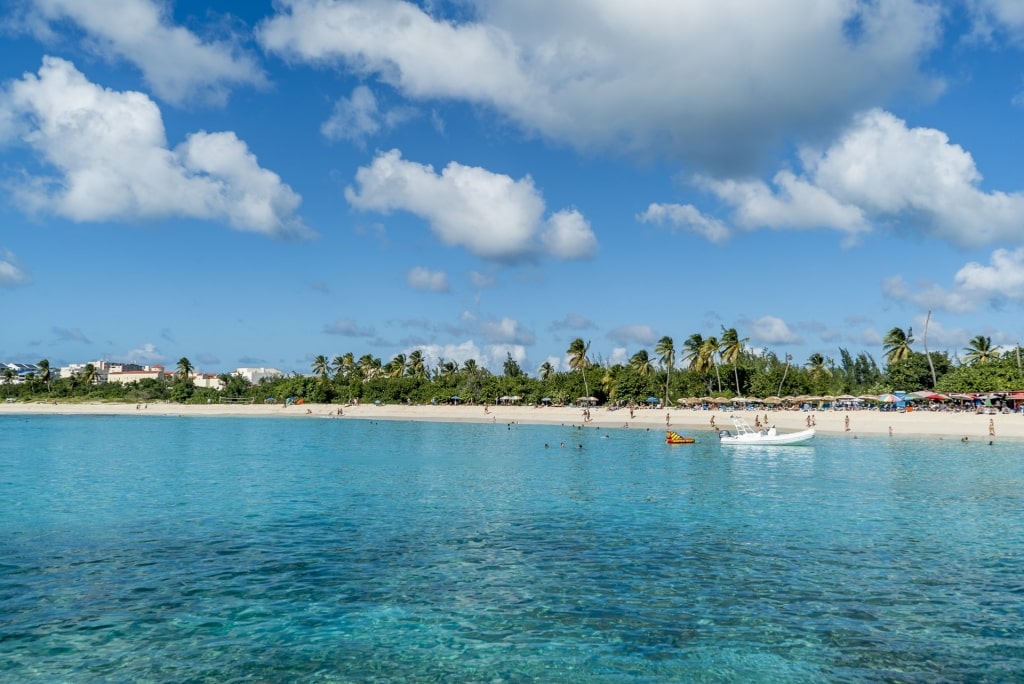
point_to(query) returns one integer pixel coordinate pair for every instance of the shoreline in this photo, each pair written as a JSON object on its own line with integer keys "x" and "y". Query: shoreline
{"x": 938, "y": 424}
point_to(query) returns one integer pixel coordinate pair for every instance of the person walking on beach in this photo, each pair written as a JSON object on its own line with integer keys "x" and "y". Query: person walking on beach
{"x": 668, "y": 419}
{"x": 991, "y": 427}
{"x": 846, "y": 423}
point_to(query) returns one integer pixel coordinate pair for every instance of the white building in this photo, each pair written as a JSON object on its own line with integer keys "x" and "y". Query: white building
{"x": 254, "y": 375}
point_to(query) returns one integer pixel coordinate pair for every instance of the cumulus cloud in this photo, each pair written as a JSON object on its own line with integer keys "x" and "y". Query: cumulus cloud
{"x": 646, "y": 77}
{"x": 491, "y": 356}
{"x": 974, "y": 285}
{"x": 147, "y": 353}
{"x": 11, "y": 272}
{"x": 489, "y": 214}
{"x": 346, "y": 327}
{"x": 109, "y": 152}
{"x": 633, "y": 334}
{"x": 997, "y": 16}
{"x": 140, "y": 32}
{"x": 685, "y": 217}
{"x": 772, "y": 330}
{"x": 880, "y": 171}
{"x": 567, "y": 235}
{"x": 358, "y": 117}
{"x": 460, "y": 353}
{"x": 505, "y": 332}
{"x": 429, "y": 281}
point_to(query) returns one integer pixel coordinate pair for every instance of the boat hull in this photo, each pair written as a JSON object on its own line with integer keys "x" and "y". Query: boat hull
{"x": 755, "y": 439}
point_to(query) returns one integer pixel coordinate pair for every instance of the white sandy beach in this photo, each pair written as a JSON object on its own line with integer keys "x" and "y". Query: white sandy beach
{"x": 939, "y": 424}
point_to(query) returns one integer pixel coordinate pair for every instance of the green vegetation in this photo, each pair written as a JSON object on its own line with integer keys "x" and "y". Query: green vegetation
{"x": 703, "y": 363}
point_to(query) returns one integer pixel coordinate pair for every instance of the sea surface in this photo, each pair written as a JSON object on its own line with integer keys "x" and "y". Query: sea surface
{"x": 164, "y": 549}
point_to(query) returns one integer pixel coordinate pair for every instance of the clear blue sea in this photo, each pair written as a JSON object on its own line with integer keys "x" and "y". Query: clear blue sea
{"x": 147, "y": 549}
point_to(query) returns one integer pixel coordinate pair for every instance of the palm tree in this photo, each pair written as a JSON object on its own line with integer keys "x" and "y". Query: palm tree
{"x": 8, "y": 376}
{"x": 641, "y": 363}
{"x": 447, "y": 369}
{"x": 89, "y": 374}
{"x": 44, "y": 372}
{"x": 417, "y": 367}
{"x": 185, "y": 368}
{"x": 979, "y": 350}
{"x": 470, "y": 368}
{"x": 712, "y": 348}
{"x": 344, "y": 365}
{"x": 896, "y": 344}
{"x": 321, "y": 367}
{"x": 396, "y": 366}
{"x": 666, "y": 351}
{"x": 732, "y": 348}
{"x": 369, "y": 367}
{"x": 578, "y": 359}
{"x": 609, "y": 381}
{"x": 546, "y": 370}
{"x": 818, "y": 367}
{"x": 789, "y": 357}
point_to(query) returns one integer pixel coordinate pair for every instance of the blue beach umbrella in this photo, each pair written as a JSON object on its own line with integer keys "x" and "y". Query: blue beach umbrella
{"x": 652, "y": 400}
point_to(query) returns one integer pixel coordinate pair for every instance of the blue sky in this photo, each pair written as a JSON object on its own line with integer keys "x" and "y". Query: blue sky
{"x": 256, "y": 183}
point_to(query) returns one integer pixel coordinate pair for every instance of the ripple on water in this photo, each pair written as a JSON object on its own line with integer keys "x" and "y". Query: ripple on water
{"x": 242, "y": 550}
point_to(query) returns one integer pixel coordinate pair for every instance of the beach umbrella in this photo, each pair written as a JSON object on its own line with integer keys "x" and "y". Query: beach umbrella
{"x": 546, "y": 400}
{"x": 773, "y": 400}
{"x": 932, "y": 396}
{"x": 456, "y": 398}
{"x": 888, "y": 398}
{"x": 652, "y": 400}
{"x": 681, "y": 400}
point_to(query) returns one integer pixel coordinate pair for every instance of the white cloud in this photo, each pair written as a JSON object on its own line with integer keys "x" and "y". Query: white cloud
{"x": 793, "y": 203}
{"x": 111, "y": 160}
{"x": 146, "y": 354}
{"x": 974, "y": 285}
{"x": 772, "y": 330}
{"x": 567, "y": 235}
{"x": 633, "y": 334}
{"x": 490, "y": 214}
{"x": 460, "y": 353}
{"x": 495, "y": 356}
{"x": 429, "y": 281}
{"x": 506, "y": 331}
{"x": 358, "y": 117}
{"x": 482, "y": 280}
{"x": 175, "y": 62}
{"x": 491, "y": 357}
{"x": 556, "y": 363}
{"x": 618, "y": 357}
{"x": 991, "y": 16}
{"x": 649, "y": 76}
{"x": 880, "y": 171}
{"x": 686, "y": 217}
{"x": 11, "y": 272}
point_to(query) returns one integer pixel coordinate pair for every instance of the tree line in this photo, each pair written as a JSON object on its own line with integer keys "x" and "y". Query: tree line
{"x": 721, "y": 365}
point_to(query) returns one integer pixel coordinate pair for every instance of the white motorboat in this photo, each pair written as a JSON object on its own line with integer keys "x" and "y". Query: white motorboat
{"x": 745, "y": 435}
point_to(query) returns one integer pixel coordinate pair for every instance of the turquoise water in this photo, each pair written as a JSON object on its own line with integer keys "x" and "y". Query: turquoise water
{"x": 144, "y": 549}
